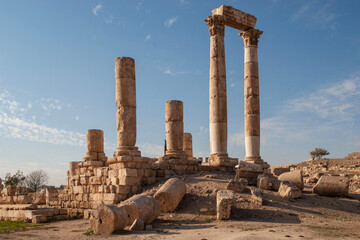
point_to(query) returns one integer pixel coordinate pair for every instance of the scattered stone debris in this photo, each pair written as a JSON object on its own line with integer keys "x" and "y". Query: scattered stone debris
{"x": 237, "y": 185}
{"x": 106, "y": 219}
{"x": 170, "y": 194}
{"x": 289, "y": 191}
{"x": 293, "y": 177}
{"x": 332, "y": 186}
{"x": 256, "y": 196}
{"x": 224, "y": 203}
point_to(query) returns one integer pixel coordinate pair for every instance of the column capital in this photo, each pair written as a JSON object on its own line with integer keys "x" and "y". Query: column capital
{"x": 251, "y": 37}
{"x": 216, "y": 25}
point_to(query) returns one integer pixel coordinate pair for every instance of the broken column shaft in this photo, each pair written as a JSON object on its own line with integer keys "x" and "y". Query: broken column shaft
{"x": 187, "y": 145}
{"x": 126, "y": 107}
{"x": 174, "y": 129}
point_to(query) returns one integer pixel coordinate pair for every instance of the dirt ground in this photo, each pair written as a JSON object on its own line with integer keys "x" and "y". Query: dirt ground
{"x": 310, "y": 217}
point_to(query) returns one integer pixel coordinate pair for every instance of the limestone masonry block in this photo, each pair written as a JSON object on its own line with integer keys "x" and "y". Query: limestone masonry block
{"x": 294, "y": 177}
{"x": 170, "y": 194}
{"x": 288, "y": 190}
{"x": 237, "y": 185}
{"x": 235, "y": 18}
{"x": 224, "y": 202}
{"x": 332, "y": 186}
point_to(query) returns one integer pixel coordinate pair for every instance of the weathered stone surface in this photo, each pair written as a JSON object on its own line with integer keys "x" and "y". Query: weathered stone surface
{"x": 235, "y": 18}
{"x": 274, "y": 183}
{"x": 294, "y": 177}
{"x": 237, "y": 185}
{"x": 106, "y": 219}
{"x": 95, "y": 140}
{"x": 137, "y": 225}
{"x": 142, "y": 207}
{"x": 263, "y": 182}
{"x": 288, "y": 190}
{"x": 256, "y": 196}
{"x": 126, "y": 106}
{"x": 332, "y": 186}
{"x": 187, "y": 145}
{"x": 224, "y": 203}
{"x": 73, "y": 168}
{"x": 170, "y": 194}
{"x": 38, "y": 219}
{"x": 280, "y": 170}
{"x": 174, "y": 129}
{"x": 249, "y": 171}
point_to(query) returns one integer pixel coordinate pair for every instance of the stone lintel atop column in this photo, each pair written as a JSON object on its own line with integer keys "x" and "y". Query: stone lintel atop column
{"x": 235, "y": 18}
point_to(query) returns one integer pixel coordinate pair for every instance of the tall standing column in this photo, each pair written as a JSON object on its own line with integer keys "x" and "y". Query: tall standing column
{"x": 217, "y": 90}
{"x": 251, "y": 96}
{"x": 174, "y": 115}
{"x": 126, "y": 107}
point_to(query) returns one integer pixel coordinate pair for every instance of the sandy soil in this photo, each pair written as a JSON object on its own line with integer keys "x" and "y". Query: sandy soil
{"x": 310, "y": 217}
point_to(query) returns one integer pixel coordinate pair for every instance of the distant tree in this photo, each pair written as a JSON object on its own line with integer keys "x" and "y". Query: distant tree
{"x": 318, "y": 153}
{"x": 14, "y": 180}
{"x": 35, "y": 179}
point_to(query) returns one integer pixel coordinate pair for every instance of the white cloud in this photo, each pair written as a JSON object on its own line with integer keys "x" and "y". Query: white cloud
{"x": 183, "y": 2}
{"x": 147, "y": 38}
{"x": 77, "y": 118}
{"x": 138, "y": 6}
{"x": 169, "y": 22}
{"x": 97, "y": 8}
{"x": 338, "y": 101}
{"x": 151, "y": 150}
{"x": 237, "y": 139}
{"x": 316, "y": 13}
{"x": 16, "y": 128}
{"x": 13, "y": 123}
{"x": 110, "y": 19}
{"x": 48, "y": 104}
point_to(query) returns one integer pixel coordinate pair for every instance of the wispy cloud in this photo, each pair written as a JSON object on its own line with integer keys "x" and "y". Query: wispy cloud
{"x": 316, "y": 13}
{"x": 147, "y": 38}
{"x": 170, "y": 71}
{"x": 110, "y": 19}
{"x": 97, "y": 8}
{"x": 151, "y": 150}
{"x": 338, "y": 101}
{"x": 183, "y": 2}
{"x": 140, "y": 3}
{"x": 237, "y": 139}
{"x": 169, "y": 22}
{"x": 14, "y": 124}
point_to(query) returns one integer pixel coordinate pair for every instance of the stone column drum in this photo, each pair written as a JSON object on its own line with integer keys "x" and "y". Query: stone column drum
{"x": 126, "y": 106}
{"x": 251, "y": 96}
{"x": 187, "y": 145}
{"x": 217, "y": 90}
{"x": 95, "y": 146}
{"x": 174, "y": 129}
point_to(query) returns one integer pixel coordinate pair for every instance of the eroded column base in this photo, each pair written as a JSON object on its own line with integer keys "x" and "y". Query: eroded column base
{"x": 181, "y": 155}
{"x": 257, "y": 161}
{"x": 222, "y": 160}
{"x": 127, "y": 150}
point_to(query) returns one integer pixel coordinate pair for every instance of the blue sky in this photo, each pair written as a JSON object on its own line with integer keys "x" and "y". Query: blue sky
{"x": 57, "y": 77}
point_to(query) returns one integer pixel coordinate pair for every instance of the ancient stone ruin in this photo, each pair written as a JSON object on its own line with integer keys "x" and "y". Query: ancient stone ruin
{"x": 221, "y": 17}
{"x": 109, "y": 190}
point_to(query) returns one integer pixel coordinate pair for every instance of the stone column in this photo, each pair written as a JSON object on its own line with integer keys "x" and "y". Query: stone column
{"x": 126, "y": 107}
{"x": 174, "y": 130}
{"x": 217, "y": 90}
{"x": 251, "y": 96}
{"x": 95, "y": 146}
{"x": 187, "y": 145}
